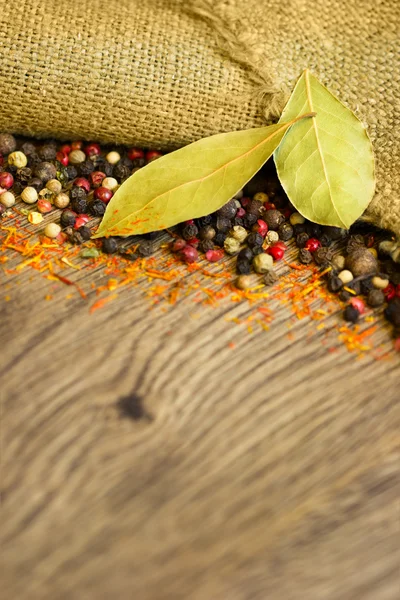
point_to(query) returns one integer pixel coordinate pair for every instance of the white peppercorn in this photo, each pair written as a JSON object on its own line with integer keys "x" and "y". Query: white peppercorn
{"x": 17, "y": 159}
{"x": 61, "y": 200}
{"x": 346, "y": 276}
{"x": 380, "y": 283}
{"x": 113, "y": 157}
{"x": 54, "y": 186}
{"x": 239, "y": 233}
{"x": 76, "y": 157}
{"x": 263, "y": 262}
{"x": 29, "y": 195}
{"x": 7, "y": 199}
{"x": 243, "y": 282}
{"x": 231, "y": 245}
{"x": 110, "y": 183}
{"x": 296, "y": 219}
{"x": 52, "y": 230}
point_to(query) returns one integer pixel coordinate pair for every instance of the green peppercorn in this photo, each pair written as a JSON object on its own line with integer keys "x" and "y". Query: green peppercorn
{"x": 239, "y": 233}
{"x": 231, "y": 245}
{"x": 263, "y": 262}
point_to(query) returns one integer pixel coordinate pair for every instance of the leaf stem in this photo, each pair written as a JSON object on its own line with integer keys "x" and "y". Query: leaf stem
{"x": 305, "y": 116}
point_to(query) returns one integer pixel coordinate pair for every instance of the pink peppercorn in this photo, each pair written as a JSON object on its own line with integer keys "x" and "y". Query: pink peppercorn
{"x": 261, "y": 227}
{"x": 189, "y": 254}
{"x": 214, "y": 255}
{"x": 152, "y": 155}
{"x": 193, "y": 242}
{"x": 245, "y": 201}
{"x": 358, "y": 304}
{"x": 281, "y": 245}
{"x": 240, "y": 213}
{"x": 135, "y": 153}
{"x": 312, "y": 245}
{"x": 81, "y": 220}
{"x": 77, "y": 145}
{"x": 82, "y": 182}
{"x": 92, "y": 150}
{"x": 276, "y": 252}
{"x": 62, "y": 158}
{"x": 6, "y": 180}
{"x": 44, "y": 206}
{"x": 269, "y": 206}
{"x": 390, "y": 292}
{"x": 62, "y": 237}
{"x": 178, "y": 244}
{"x": 96, "y": 178}
{"x": 65, "y": 149}
{"x": 103, "y": 194}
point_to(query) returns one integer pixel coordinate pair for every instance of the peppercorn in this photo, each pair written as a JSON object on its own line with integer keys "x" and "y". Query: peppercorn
{"x": 85, "y": 232}
{"x": 96, "y": 178}
{"x": 285, "y": 232}
{"x": 108, "y": 182}
{"x": 273, "y": 218}
{"x": 338, "y": 262}
{"x": 6, "y": 180}
{"x": 271, "y": 238}
{"x": 270, "y": 278}
{"x": 47, "y": 152}
{"x": 261, "y": 197}
{"x": 239, "y": 233}
{"x": 366, "y": 285}
{"x": 7, "y": 199}
{"x": 206, "y": 233}
{"x": 302, "y": 239}
{"x": 8, "y": 143}
{"x": 68, "y": 218}
{"x": 262, "y": 263}
{"x": 297, "y": 229}
{"x": 375, "y": 298}
{"x": 243, "y": 266}
{"x": 145, "y": 248}
{"x": 296, "y": 219}
{"x": 355, "y": 285}
{"x": 354, "y": 242}
{"x": 138, "y": 163}
{"x": 231, "y": 245}
{"x": 380, "y": 283}
{"x": 392, "y": 312}
{"x": 109, "y": 245}
{"x": 79, "y": 203}
{"x": 24, "y": 175}
{"x": 214, "y": 255}
{"x": 71, "y": 172}
{"x": 277, "y": 251}
{"x": 77, "y": 157}
{"x": 206, "y": 245}
{"x": 351, "y": 314}
{"x": 223, "y": 224}
{"x": 323, "y": 256}
{"x": 52, "y": 230}
{"x": 346, "y": 276}
{"x": 313, "y": 229}
{"x": 189, "y": 231}
{"x": 85, "y": 168}
{"x": 78, "y": 193}
{"x": 45, "y": 171}
{"x": 335, "y": 233}
{"x": 61, "y": 200}
{"x": 254, "y": 239}
{"x": 27, "y": 148}
{"x": 203, "y": 221}
{"x": 305, "y": 256}
{"x": 361, "y": 262}
{"x": 253, "y": 207}
{"x": 344, "y": 296}
{"x": 103, "y": 194}
{"x": 257, "y": 250}
{"x": 219, "y": 238}
{"x": 243, "y": 282}
{"x": 325, "y": 239}
{"x": 189, "y": 254}
{"x": 121, "y": 172}
{"x": 113, "y": 157}
{"x": 334, "y": 284}
{"x": 17, "y": 159}
{"x": 97, "y": 208}
{"x": 54, "y": 186}
{"x": 246, "y": 254}
{"x": 249, "y": 220}
{"x": 18, "y": 187}
{"x": 29, "y": 195}
{"x": 312, "y": 244}
{"x": 228, "y": 211}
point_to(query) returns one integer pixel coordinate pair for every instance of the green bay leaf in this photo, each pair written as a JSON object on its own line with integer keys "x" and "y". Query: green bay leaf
{"x": 191, "y": 182}
{"x": 325, "y": 164}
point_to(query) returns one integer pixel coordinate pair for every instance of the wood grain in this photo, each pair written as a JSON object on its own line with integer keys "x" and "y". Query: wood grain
{"x": 145, "y": 458}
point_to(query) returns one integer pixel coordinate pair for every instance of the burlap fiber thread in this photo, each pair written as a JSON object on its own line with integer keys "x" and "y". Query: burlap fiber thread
{"x": 163, "y": 73}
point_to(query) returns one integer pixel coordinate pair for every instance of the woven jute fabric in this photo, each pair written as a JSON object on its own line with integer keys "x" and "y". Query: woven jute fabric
{"x": 164, "y": 73}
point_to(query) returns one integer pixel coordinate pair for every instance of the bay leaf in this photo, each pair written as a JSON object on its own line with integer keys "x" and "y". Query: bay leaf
{"x": 191, "y": 182}
{"x": 325, "y": 164}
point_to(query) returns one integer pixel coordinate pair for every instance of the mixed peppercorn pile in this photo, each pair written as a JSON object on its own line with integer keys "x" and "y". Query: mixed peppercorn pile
{"x": 75, "y": 182}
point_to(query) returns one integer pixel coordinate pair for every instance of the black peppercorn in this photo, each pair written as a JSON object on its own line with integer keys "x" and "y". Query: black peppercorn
{"x": 8, "y": 143}
{"x": 138, "y": 163}
{"x": 206, "y": 245}
{"x": 354, "y": 243}
{"x": 245, "y": 254}
{"x": 238, "y": 221}
{"x": 97, "y": 208}
{"x": 253, "y": 208}
{"x": 71, "y": 172}
{"x": 334, "y": 284}
{"x": 355, "y": 285}
{"x": 254, "y": 239}
{"x": 223, "y": 224}
{"x": 345, "y": 296}
{"x": 219, "y": 239}
{"x": 313, "y": 229}
{"x": 109, "y": 245}
{"x": 335, "y": 233}
{"x": 302, "y": 239}
{"x": 18, "y": 187}
{"x": 36, "y": 183}
{"x": 299, "y": 228}
{"x": 392, "y": 312}
{"x": 85, "y": 168}
{"x": 121, "y": 172}
{"x": 33, "y": 159}
{"x": 325, "y": 239}
{"x": 85, "y": 232}
{"x": 351, "y": 314}
{"x": 228, "y": 211}
{"x": 285, "y": 232}
{"x": 77, "y": 193}
{"x": 79, "y": 204}
{"x": 45, "y": 171}
{"x": 257, "y": 250}
{"x": 146, "y": 248}
{"x": 28, "y": 148}
{"x": 24, "y": 175}
{"x": 243, "y": 266}
{"x": 68, "y": 218}
{"x": 305, "y": 256}
{"x": 273, "y": 218}
{"x": 189, "y": 231}
{"x": 203, "y": 221}
{"x": 47, "y": 152}
{"x": 366, "y": 285}
{"x": 126, "y": 161}
{"x": 207, "y": 232}
{"x": 248, "y": 220}
{"x": 323, "y": 256}
{"x": 375, "y": 298}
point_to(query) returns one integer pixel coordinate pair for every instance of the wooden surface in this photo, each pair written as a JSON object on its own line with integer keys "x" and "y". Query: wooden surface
{"x": 144, "y": 457}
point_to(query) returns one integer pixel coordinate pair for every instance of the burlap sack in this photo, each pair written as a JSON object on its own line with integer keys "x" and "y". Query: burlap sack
{"x": 163, "y": 73}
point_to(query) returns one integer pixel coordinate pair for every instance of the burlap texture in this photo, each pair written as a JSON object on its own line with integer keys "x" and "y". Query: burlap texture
{"x": 163, "y": 73}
